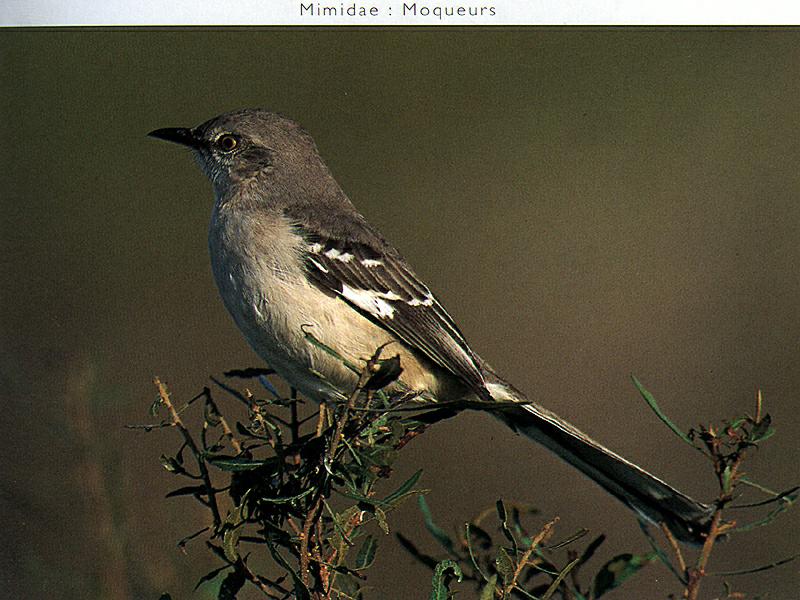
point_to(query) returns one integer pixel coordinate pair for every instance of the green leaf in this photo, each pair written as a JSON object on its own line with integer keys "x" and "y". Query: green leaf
{"x": 660, "y": 554}
{"x": 366, "y": 554}
{"x": 566, "y": 542}
{"x": 557, "y": 581}
{"x": 437, "y": 532}
{"x": 651, "y": 401}
{"x": 592, "y": 548}
{"x": 354, "y": 494}
{"x": 771, "y": 565}
{"x": 726, "y": 479}
{"x": 347, "y": 587}
{"x": 398, "y": 494}
{"x": 287, "y": 499}
{"x": 503, "y": 516}
{"x": 301, "y": 592}
{"x": 617, "y": 570}
{"x": 505, "y": 565}
{"x": 442, "y": 577}
{"x": 155, "y": 406}
{"x": 785, "y": 497}
{"x": 516, "y": 519}
{"x": 189, "y": 490}
{"x": 468, "y": 539}
{"x": 171, "y": 465}
{"x": 785, "y": 504}
{"x": 409, "y": 547}
{"x": 328, "y": 350}
{"x": 236, "y": 464}
{"x": 249, "y": 373}
{"x": 762, "y": 430}
{"x": 483, "y": 539}
{"x": 211, "y": 575}
{"x": 487, "y": 593}
{"x": 231, "y": 585}
{"x": 210, "y": 415}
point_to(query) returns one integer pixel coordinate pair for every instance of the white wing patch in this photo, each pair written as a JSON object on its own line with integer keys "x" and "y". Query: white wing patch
{"x": 319, "y": 266}
{"x": 375, "y": 302}
{"x": 336, "y": 254}
{"x": 371, "y": 301}
{"x": 428, "y": 301}
{"x": 381, "y": 286}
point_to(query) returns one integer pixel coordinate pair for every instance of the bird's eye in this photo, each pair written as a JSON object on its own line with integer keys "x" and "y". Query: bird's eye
{"x": 227, "y": 142}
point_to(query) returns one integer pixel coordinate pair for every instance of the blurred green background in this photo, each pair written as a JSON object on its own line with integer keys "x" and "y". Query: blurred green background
{"x": 588, "y": 203}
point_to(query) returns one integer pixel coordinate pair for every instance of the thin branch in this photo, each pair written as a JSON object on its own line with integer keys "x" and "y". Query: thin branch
{"x": 226, "y": 430}
{"x": 524, "y": 561}
{"x": 190, "y": 443}
{"x": 676, "y": 549}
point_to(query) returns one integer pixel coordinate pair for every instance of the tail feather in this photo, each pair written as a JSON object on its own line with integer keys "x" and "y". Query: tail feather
{"x": 650, "y": 497}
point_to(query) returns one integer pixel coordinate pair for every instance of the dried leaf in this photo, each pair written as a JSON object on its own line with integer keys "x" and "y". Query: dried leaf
{"x": 505, "y": 565}
{"x": 389, "y": 370}
{"x": 380, "y": 516}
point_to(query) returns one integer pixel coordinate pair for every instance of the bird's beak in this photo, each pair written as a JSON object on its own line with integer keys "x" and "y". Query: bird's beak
{"x": 178, "y": 135}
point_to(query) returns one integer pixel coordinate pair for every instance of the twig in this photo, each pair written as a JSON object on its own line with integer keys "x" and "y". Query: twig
{"x": 541, "y": 537}
{"x": 294, "y": 424}
{"x": 261, "y": 583}
{"x": 306, "y": 535}
{"x": 201, "y": 463}
{"x": 226, "y": 430}
{"x": 322, "y": 421}
{"x": 727, "y": 471}
{"x": 675, "y": 547}
{"x": 312, "y": 519}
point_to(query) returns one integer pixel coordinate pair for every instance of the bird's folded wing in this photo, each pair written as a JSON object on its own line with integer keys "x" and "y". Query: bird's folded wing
{"x": 383, "y": 287}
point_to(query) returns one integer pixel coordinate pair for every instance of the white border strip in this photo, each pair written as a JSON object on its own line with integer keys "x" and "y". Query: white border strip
{"x": 397, "y": 12}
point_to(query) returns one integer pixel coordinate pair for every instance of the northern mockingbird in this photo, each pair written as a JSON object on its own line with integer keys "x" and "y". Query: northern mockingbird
{"x": 291, "y": 254}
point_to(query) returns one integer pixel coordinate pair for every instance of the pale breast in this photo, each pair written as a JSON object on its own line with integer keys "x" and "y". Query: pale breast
{"x": 258, "y": 267}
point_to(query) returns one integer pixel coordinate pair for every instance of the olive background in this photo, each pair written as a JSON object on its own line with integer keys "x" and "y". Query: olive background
{"x": 588, "y": 203}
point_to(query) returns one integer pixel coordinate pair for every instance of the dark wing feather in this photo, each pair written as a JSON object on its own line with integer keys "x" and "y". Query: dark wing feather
{"x": 406, "y": 307}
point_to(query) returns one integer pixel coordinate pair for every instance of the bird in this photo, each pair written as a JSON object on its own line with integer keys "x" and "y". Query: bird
{"x": 291, "y": 255}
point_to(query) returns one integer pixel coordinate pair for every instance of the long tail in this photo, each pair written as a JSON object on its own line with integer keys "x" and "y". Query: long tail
{"x": 647, "y": 495}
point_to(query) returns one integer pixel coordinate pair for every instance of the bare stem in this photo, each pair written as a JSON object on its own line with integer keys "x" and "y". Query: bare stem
{"x": 524, "y": 561}
{"x": 190, "y": 443}
{"x": 309, "y": 550}
{"x": 226, "y": 430}
{"x": 676, "y": 549}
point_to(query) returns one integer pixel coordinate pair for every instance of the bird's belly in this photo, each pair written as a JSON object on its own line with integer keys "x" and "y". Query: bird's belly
{"x": 282, "y": 316}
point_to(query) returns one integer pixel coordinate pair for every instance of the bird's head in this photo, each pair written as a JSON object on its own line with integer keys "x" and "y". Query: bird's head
{"x": 252, "y": 146}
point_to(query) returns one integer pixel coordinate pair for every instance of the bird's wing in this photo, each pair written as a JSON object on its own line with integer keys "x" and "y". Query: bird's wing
{"x": 379, "y": 284}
